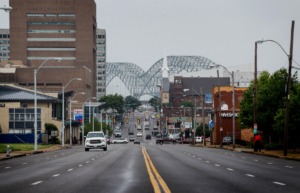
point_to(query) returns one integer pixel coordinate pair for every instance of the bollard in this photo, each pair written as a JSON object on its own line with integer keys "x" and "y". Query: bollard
{"x": 8, "y": 150}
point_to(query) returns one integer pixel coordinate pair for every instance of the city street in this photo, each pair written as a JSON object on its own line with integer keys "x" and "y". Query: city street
{"x": 148, "y": 168}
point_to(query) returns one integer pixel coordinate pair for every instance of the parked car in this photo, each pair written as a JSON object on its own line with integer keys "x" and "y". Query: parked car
{"x": 136, "y": 142}
{"x": 131, "y": 138}
{"x": 198, "y": 139}
{"x": 227, "y": 140}
{"x": 148, "y": 136}
{"x": 120, "y": 140}
{"x": 95, "y": 140}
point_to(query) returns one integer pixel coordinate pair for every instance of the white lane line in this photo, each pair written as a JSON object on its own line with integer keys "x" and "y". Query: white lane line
{"x": 279, "y": 183}
{"x": 199, "y": 158}
{"x": 250, "y": 175}
{"x": 7, "y": 167}
{"x": 194, "y": 156}
{"x": 243, "y": 158}
{"x": 55, "y": 175}
{"x": 87, "y": 162}
{"x": 36, "y": 183}
{"x": 80, "y": 165}
{"x": 70, "y": 169}
{"x": 24, "y": 163}
{"x": 289, "y": 166}
{"x": 230, "y": 169}
{"x": 270, "y": 163}
{"x": 93, "y": 159}
{"x": 48, "y": 158}
{"x": 217, "y": 165}
{"x": 255, "y": 160}
{"x": 207, "y": 162}
{"x": 55, "y": 156}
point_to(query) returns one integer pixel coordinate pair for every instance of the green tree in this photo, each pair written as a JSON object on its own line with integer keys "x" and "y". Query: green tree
{"x": 114, "y": 102}
{"x": 154, "y": 102}
{"x": 270, "y": 105}
{"x": 187, "y": 104}
{"x": 97, "y": 127}
{"x": 131, "y": 103}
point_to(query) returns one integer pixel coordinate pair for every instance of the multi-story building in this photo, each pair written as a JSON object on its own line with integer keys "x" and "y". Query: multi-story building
{"x": 101, "y": 63}
{"x": 4, "y": 44}
{"x": 66, "y": 29}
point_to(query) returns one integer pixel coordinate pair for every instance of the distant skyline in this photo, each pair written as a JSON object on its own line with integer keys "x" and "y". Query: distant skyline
{"x": 224, "y": 31}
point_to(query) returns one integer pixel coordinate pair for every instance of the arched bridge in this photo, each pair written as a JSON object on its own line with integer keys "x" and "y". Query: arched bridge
{"x": 139, "y": 82}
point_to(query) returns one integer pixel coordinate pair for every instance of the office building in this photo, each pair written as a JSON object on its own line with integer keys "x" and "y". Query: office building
{"x": 101, "y": 63}
{"x": 66, "y": 29}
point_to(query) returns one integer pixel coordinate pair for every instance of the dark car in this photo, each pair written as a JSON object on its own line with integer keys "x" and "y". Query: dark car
{"x": 136, "y": 142}
{"x": 148, "y": 136}
{"x": 165, "y": 140}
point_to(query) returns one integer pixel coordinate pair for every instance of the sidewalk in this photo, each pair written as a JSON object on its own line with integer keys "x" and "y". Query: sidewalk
{"x": 291, "y": 155}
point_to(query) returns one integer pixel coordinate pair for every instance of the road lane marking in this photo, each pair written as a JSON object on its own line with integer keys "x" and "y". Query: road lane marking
{"x": 229, "y": 169}
{"x": 250, "y": 175}
{"x": 217, "y": 165}
{"x": 55, "y": 175}
{"x": 207, "y": 162}
{"x": 80, "y": 165}
{"x": 36, "y": 183}
{"x": 7, "y": 167}
{"x": 289, "y": 166}
{"x": 151, "y": 176}
{"x": 70, "y": 169}
{"x": 157, "y": 175}
{"x": 270, "y": 163}
{"x": 279, "y": 183}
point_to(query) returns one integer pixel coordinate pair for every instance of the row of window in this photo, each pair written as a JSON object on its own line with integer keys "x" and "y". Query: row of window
{"x": 4, "y": 36}
{"x": 4, "y": 54}
{"x": 4, "y": 48}
{"x": 4, "y": 42}
{"x": 50, "y": 23}
{"x": 51, "y": 31}
{"x": 51, "y": 39}
{"x": 101, "y": 90}
{"x": 50, "y": 15}
{"x": 51, "y": 49}
{"x": 44, "y": 58}
{"x": 101, "y": 36}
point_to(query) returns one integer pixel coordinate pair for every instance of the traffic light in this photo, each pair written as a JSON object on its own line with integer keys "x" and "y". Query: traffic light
{"x": 126, "y": 120}
{"x": 138, "y": 120}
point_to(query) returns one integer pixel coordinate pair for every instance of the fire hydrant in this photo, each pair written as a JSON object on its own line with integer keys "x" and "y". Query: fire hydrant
{"x": 8, "y": 150}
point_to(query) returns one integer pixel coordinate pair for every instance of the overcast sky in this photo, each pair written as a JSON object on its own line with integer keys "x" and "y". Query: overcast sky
{"x": 224, "y": 31}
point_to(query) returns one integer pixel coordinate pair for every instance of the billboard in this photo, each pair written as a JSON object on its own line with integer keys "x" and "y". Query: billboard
{"x": 78, "y": 115}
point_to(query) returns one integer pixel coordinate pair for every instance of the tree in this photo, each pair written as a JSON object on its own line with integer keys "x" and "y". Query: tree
{"x": 131, "y": 103}
{"x": 271, "y": 105}
{"x": 114, "y": 102}
{"x": 154, "y": 102}
{"x": 97, "y": 127}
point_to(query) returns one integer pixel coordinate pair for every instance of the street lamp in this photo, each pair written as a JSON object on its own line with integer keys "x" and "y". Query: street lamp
{"x": 83, "y": 116}
{"x": 233, "y": 104}
{"x": 35, "y": 99}
{"x": 7, "y": 9}
{"x": 287, "y": 100}
{"x": 71, "y": 100}
{"x": 63, "y": 111}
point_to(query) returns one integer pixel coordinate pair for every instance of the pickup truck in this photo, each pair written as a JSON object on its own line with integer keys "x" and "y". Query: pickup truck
{"x": 165, "y": 140}
{"x": 95, "y": 140}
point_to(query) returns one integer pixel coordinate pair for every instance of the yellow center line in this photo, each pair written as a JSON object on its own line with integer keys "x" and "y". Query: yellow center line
{"x": 158, "y": 179}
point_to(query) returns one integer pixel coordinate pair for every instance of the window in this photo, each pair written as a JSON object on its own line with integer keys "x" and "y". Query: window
{"x": 23, "y": 118}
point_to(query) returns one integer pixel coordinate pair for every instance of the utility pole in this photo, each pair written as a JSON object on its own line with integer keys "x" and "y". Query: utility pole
{"x": 255, "y": 90}
{"x": 287, "y": 103}
{"x": 220, "y": 117}
{"x": 203, "y": 125}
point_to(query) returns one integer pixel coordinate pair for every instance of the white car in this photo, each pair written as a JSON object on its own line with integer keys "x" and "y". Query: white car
{"x": 198, "y": 139}
{"x": 139, "y": 134}
{"x": 120, "y": 140}
{"x": 95, "y": 140}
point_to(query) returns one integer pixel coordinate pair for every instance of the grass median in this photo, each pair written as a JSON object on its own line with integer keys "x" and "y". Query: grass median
{"x": 23, "y": 147}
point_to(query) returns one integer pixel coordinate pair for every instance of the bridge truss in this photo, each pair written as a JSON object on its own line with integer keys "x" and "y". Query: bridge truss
{"x": 140, "y": 83}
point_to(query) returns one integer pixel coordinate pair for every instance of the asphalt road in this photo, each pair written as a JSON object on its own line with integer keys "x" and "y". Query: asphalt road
{"x": 148, "y": 168}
